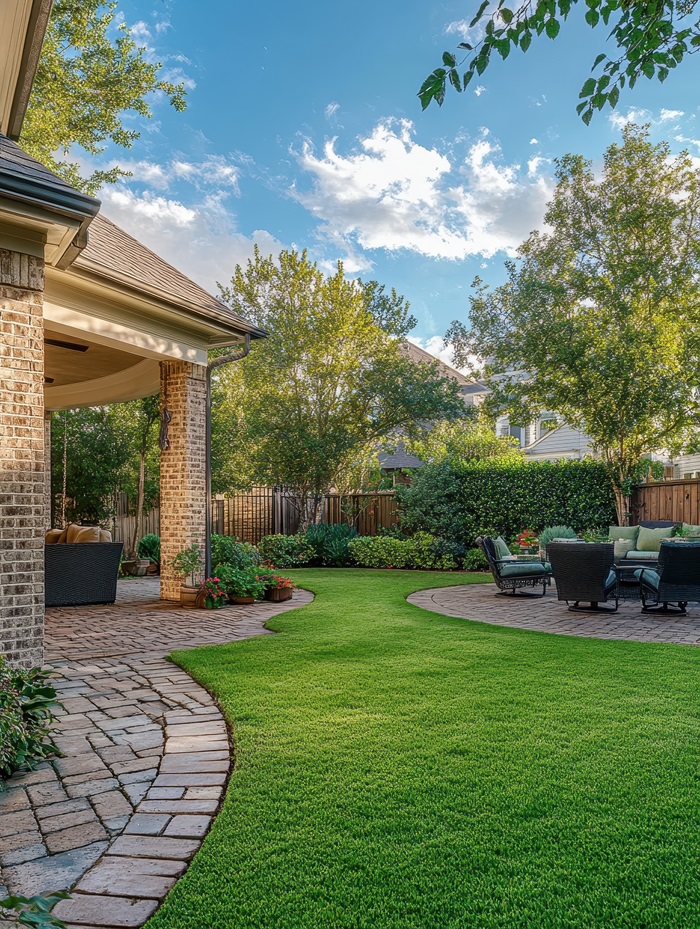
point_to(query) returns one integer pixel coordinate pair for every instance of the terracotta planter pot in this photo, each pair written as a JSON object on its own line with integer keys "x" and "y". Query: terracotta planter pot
{"x": 189, "y": 596}
{"x": 242, "y": 600}
{"x": 278, "y": 594}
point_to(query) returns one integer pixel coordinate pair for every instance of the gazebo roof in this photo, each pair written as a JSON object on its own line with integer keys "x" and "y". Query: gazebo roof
{"x": 400, "y": 459}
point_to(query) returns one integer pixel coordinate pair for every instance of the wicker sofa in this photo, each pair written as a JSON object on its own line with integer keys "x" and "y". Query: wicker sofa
{"x": 81, "y": 564}
{"x": 644, "y": 549}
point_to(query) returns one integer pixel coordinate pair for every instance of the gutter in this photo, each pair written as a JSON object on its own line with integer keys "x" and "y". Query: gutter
{"x": 33, "y": 42}
{"x": 211, "y": 367}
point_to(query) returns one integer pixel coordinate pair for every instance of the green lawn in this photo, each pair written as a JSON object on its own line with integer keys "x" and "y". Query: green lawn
{"x": 396, "y": 768}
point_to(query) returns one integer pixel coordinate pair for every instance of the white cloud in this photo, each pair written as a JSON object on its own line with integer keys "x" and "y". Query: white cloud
{"x": 395, "y": 194}
{"x": 534, "y": 142}
{"x": 162, "y": 26}
{"x": 479, "y": 90}
{"x": 213, "y": 171}
{"x": 461, "y": 28}
{"x": 140, "y": 33}
{"x": 331, "y": 110}
{"x": 619, "y": 120}
{"x": 198, "y": 240}
{"x": 668, "y": 115}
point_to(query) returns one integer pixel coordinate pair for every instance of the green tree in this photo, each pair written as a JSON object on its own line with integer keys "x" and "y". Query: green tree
{"x": 650, "y": 39}
{"x": 330, "y": 379}
{"x": 470, "y": 439}
{"x": 89, "y": 461}
{"x": 91, "y": 75}
{"x": 139, "y": 420}
{"x": 599, "y": 319}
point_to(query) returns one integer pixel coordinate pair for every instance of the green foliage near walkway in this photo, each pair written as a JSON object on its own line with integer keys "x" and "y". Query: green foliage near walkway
{"x": 459, "y": 501}
{"x": 395, "y": 768}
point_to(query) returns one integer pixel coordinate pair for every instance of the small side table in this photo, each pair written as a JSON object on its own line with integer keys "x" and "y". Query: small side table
{"x": 628, "y": 587}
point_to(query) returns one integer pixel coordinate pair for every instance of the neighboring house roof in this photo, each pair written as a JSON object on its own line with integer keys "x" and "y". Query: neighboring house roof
{"x": 400, "y": 459}
{"x": 563, "y": 440}
{"x": 416, "y": 353}
{"x": 113, "y": 254}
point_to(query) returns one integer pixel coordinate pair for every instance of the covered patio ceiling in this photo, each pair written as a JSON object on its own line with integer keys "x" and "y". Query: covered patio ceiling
{"x": 116, "y": 313}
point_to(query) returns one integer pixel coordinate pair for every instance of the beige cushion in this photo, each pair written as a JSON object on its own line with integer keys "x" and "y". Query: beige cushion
{"x": 86, "y": 534}
{"x": 64, "y": 535}
{"x": 623, "y": 546}
{"x": 105, "y": 535}
{"x": 53, "y": 535}
{"x": 649, "y": 540}
{"x": 71, "y": 532}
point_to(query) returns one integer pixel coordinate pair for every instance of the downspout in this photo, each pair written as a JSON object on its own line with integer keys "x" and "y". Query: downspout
{"x": 212, "y": 366}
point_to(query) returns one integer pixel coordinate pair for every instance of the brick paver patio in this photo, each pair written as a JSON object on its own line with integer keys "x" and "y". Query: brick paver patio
{"x": 145, "y": 758}
{"x": 547, "y": 614}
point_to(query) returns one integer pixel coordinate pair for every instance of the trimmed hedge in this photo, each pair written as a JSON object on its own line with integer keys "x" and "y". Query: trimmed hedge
{"x": 460, "y": 501}
{"x": 422, "y": 551}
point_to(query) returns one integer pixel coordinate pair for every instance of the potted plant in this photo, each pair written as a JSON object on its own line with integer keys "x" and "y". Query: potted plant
{"x": 241, "y": 584}
{"x": 188, "y": 565}
{"x": 214, "y": 595}
{"x": 527, "y": 540}
{"x": 277, "y": 588}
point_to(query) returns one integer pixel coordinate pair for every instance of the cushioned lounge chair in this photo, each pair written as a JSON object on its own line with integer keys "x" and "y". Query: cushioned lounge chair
{"x": 674, "y": 580}
{"x": 584, "y": 574}
{"x": 513, "y": 575}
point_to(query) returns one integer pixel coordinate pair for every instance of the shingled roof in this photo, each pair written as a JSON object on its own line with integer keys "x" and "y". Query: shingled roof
{"x": 28, "y": 179}
{"x": 400, "y": 459}
{"x": 113, "y": 254}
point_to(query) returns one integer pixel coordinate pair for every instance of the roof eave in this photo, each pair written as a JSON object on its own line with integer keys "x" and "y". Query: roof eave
{"x": 34, "y": 40}
{"x": 234, "y": 324}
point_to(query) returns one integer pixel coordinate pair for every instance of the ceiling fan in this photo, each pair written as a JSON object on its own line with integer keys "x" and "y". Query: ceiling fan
{"x": 71, "y": 346}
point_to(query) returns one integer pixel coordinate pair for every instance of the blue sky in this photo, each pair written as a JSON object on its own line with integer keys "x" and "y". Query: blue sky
{"x": 303, "y": 130}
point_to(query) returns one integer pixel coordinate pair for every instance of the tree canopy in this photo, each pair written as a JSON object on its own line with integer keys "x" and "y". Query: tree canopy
{"x": 91, "y": 75}
{"x": 330, "y": 379}
{"x": 650, "y": 40}
{"x": 600, "y": 317}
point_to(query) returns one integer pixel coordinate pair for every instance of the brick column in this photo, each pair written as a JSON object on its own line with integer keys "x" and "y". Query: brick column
{"x": 23, "y": 516}
{"x": 182, "y": 467}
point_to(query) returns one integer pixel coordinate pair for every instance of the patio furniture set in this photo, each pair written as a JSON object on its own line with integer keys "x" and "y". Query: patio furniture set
{"x": 590, "y": 577}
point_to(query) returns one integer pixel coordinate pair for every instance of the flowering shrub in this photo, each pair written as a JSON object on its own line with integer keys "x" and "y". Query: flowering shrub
{"x": 269, "y": 579}
{"x": 215, "y": 595}
{"x": 527, "y": 538}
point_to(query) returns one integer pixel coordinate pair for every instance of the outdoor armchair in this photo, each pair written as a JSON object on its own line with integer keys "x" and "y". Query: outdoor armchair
{"x": 675, "y": 580}
{"x": 584, "y": 573}
{"x": 511, "y": 574}
{"x": 81, "y": 573}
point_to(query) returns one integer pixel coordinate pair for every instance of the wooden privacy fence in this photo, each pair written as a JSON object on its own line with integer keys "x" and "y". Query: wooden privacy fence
{"x": 676, "y": 500}
{"x": 266, "y": 510}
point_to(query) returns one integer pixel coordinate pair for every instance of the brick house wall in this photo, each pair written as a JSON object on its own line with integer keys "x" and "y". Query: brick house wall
{"x": 23, "y": 504}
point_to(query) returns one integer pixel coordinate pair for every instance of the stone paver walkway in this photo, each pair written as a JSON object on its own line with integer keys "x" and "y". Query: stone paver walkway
{"x": 547, "y": 614}
{"x": 145, "y": 758}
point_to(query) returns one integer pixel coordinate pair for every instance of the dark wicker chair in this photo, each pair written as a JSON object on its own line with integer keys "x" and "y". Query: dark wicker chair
{"x": 675, "y": 579}
{"x": 81, "y": 573}
{"x": 584, "y": 574}
{"x": 514, "y": 575}
{"x": 657, "y": 523}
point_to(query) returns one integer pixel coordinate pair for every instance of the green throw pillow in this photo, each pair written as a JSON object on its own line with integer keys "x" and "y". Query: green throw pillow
{"x": 624, "y": 532}
{"x": 502, "y": 550}
{"x": 691, "y": 530}
{"x": 649, "y": 540}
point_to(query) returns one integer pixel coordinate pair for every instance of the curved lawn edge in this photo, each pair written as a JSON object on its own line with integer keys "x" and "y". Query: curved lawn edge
{"x": 395, "y": 772}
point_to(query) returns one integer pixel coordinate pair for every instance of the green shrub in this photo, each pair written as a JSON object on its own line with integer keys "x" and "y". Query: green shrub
{"x": 149, "y": 547}
{"x": 330, "y": 543}
{"x": 421, "y": 551}
{"x": 459, "y": 501}
{"x": 226, "y": 550}
{"x": 26, "y": 702}
{"x": 35, "y": 911}
{"x": 430, "y": 554}
{"x": 241, "y": 582}
{"x": 475, "y": 560}
{"x": 549, "y": 533}
{"x": 286, "y": 551}
{"x": 379, "y": 552}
